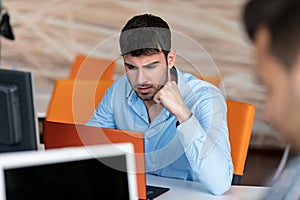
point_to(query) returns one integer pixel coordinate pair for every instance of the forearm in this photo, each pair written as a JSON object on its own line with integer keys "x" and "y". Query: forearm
{"x": 208, "y": 154}
{"x": 215, "y": 171}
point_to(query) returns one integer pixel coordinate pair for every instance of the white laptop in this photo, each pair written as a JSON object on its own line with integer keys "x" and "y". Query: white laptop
{"x": 90, "y": 172}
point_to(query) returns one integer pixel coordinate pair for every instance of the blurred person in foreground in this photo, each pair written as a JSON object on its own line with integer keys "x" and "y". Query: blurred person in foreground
{"x": 274, "y": 28}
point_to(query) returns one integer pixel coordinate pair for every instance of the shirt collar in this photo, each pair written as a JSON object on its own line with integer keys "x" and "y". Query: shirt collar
{"x": 131, "y": 96}
{"x": 181, "y": 82}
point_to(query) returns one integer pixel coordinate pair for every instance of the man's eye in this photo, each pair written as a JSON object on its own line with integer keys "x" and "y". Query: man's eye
{"x": 150, "y": 66}
{"x": 131, "y": 67}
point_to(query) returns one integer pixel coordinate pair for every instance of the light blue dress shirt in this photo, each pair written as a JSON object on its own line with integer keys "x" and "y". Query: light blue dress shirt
{"x": 196, "y": 150}
{"x": 287, "y": 187}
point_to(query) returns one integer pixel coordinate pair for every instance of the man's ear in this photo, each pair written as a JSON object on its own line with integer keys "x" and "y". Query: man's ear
{"x": 262, "y": 39}
{"x": 171, "y": 58}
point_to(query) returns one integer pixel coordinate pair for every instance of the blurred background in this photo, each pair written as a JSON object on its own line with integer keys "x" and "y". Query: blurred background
{"x": 49, "y": 34}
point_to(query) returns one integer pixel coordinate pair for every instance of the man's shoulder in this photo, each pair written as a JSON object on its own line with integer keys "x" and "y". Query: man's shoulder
{"x": 119, "y": 86}
{"x": 294, "y": 165}
{"x": 120, "y": 81}
{"x": 194, "y": 78}
{"x": 288, "y": 184}
{"x": 195, "y": 83}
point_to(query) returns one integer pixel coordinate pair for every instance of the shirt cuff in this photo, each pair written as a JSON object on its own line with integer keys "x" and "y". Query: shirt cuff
{"x": 189, "y": 131}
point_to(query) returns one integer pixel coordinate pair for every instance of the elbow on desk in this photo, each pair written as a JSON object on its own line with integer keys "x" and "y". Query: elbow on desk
{"x": 218, "y": 184}
{"x": 218, "y": 180}
{"x": 220, "y": 189}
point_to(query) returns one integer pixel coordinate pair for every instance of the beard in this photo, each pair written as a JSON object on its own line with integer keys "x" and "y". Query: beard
{"x": 146, "y": 92}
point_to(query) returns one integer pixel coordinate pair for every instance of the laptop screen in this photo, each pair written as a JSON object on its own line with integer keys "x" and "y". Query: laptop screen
{"x": 91, "y": 177}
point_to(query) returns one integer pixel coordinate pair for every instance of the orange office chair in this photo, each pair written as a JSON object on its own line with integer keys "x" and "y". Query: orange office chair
{"x": 215, "y": 80}
{"x": 74, "y": 101}
{"x": 87, "y": 67}
{"x": 240, "y": 117}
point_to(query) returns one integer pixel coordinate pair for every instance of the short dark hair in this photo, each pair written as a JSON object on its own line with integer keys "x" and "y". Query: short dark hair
{"x": 145, "y": 34}
{"x": 282, "y": 19}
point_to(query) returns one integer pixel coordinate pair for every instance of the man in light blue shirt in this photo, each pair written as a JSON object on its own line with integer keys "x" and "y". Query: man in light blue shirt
{"x": 183, "y": 118}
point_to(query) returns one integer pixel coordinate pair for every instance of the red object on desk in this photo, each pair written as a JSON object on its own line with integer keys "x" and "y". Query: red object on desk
{"x": 59, "y": 135}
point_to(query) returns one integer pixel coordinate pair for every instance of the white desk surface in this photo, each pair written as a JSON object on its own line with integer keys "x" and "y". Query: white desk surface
{"x": 187, "y": 190}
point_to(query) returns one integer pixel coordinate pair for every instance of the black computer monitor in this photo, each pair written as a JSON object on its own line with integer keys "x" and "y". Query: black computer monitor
{"x": 18, "y": 122}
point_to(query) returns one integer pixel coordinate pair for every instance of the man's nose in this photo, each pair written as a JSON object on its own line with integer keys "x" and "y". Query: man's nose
{"x": 141, "y": 77}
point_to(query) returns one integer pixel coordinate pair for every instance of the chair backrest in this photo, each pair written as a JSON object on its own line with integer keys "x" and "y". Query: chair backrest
{"x": 240, "y": 116}
{"x": 74, "y": 101}
{"x": 215, "y": 80}
{"x": 87, "y": 67}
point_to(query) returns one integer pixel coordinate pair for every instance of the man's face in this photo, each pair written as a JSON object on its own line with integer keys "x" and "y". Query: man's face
{"x": 282, "y": 106}
{"x": 147, "y": 74}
